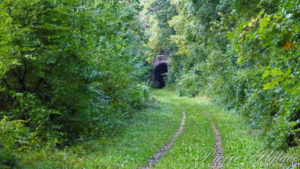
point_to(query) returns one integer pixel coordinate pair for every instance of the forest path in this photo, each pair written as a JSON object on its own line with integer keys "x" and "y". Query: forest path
{"x": 208, "y": 137}
{"x": 200, "y": 137}
{"x": 167, "y": 146}
{"x": 218, "y": 153}
{"x": 211, "y": 138}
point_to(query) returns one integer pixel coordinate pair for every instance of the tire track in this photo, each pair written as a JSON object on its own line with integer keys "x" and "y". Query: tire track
{"x": 218, "y": 160}
{"x": 165, "y": 148}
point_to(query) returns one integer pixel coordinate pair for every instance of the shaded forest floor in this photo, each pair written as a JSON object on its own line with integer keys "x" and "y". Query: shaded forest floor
{"x": 152, "y": 128}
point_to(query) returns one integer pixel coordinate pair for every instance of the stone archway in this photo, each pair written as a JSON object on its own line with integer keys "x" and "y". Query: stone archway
{"x": 159, "y": 70}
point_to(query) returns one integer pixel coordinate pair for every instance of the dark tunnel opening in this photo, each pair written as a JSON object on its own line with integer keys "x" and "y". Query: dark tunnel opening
{"x": 160, "y": 75}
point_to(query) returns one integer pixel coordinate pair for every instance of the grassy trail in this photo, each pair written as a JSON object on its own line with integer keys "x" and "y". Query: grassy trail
{"x": 195, "y": 148}
{"x": 206, "y": 125}
{"x": 150, "y": 129}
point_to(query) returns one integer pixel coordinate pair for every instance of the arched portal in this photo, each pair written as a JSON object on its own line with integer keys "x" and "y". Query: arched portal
{"x": 160, "y": 75}
{"x": 158, "y": 71}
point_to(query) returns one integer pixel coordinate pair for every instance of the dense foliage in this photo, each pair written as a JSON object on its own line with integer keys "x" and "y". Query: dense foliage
{"x": 73, "y": 69}
{"x": 69, "y": 69}
{"x": 245, "y": 54}
{"x": 155, "y": 16}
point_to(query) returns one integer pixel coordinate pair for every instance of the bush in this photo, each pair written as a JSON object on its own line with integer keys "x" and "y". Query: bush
{"x": 70, "y": 68}
{"x": 186, "y": 85}
{"x": 247, "y": 57}
{"x": 14, "y": 137}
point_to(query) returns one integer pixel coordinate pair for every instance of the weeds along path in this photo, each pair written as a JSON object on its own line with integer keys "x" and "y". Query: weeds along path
{"x": 165, "y": 148}
{"x": 187, "y": 103}
{"x": 199, "y": 128}
{"x": 191, "y": 149}
{"x": 218, "y": 139}
{"x": 196, "y": 146}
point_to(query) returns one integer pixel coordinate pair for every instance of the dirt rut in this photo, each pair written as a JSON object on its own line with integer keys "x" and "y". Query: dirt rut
{"x": 163, "y": 150}
{"x": 218, "y": 160}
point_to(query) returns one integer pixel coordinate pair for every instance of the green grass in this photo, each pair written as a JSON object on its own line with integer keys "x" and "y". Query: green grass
{"x": 147, "y": 132}
{"x": 150, "y": 129}
{"x": 242, "y": 146}
{"x": 197, "y": 139}
{"x": 242, "y": 143}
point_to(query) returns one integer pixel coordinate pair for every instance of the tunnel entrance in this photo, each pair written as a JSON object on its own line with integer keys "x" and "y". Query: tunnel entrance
{"x": 159, "y": 70}
{"x": 160, "y": 75}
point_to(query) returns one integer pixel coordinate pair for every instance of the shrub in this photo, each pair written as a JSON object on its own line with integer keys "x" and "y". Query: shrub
{"x": 247, "y": 57}
{"x": 70, "y": 68}
{"x": 14, "y": 137}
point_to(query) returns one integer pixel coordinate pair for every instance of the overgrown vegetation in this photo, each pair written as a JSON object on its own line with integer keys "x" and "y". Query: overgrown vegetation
{"x": 146, "y": 132}
{"x": 74, "y": 70}
{"x": 195, "y": 148}
{"x": 69, "y": 70}
{"x": 246, "y": 55}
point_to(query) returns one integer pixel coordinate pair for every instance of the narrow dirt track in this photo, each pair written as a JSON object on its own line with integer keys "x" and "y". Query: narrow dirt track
{"x": 218, "y": 146}
{"x": 163, "y": 150}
